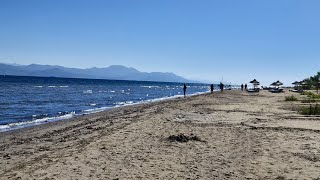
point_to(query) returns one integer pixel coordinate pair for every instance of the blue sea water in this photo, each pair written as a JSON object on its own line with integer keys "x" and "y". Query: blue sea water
{"x": 28, "y": 101}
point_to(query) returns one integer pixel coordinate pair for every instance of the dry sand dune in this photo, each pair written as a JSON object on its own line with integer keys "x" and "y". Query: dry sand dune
{"x": 241, "y": 136}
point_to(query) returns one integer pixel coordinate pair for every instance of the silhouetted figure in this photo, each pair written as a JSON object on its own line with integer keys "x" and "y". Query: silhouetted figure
{"x": 211, "y": 88}
{"x": 246, "y": 87}
{"x": 241, "y": 87}
{"x": 221, "y": 86}
{"x": 184, "y": 89}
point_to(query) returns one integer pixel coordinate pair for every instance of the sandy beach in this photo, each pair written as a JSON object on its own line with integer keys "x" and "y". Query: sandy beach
{"x": 239, "y": 136}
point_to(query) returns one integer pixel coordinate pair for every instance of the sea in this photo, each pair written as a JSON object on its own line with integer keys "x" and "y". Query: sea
{"x": 29, "y": 101}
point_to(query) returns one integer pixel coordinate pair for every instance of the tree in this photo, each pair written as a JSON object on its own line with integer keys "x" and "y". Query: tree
{"x": 312, "y": 82}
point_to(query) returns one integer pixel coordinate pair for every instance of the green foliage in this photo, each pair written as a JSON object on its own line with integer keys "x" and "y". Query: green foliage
{"x": 312, "y": 82}
{"x": 315, "y": 96}
{"x": 311, "y": 110}
{"x": 290, "y": 98}
{"x": 308, "y": 93}
{"x": 311, "y": 95}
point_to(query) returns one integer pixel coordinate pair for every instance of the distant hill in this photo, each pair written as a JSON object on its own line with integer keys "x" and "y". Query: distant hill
{"x": 115, "y": 72}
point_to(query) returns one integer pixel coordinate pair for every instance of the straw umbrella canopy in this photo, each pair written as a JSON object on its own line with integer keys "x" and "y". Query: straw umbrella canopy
{"x": 303, "y": 82}
{"x": 296, "y": 84}
{"x": 255, "y": 83}
{"x": 277, "y": 84}
{"x": 273, "y": 84}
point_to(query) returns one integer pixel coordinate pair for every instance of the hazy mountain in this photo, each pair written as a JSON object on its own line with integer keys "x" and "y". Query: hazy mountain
{"x": 115, "y": 72}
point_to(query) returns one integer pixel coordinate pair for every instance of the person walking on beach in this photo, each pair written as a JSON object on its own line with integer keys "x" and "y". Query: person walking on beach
{"x": 245, "y": 86}
{"x": 241, "y": 87}
{"x": 184, "y": 89}
{"x": 221, "y": 86}
{"x": 211, "y": 88}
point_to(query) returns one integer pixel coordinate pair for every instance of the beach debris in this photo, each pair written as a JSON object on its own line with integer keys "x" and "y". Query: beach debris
{"x": 7, "y": 156}
{"x": 280, "y": 177}
{"x": 44, "y": 148}
{"x": 183, "y": 138}
{"x": 89, "y": 127}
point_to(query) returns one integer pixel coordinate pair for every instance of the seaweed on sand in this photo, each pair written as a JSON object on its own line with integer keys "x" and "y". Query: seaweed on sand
{"x": 183, "y": 138}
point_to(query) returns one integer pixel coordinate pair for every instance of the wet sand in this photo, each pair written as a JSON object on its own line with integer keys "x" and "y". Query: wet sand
{"x": 242, "y": 136}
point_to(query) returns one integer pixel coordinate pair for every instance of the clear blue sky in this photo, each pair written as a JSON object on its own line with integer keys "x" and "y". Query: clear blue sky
{"x": 198, "y": 39}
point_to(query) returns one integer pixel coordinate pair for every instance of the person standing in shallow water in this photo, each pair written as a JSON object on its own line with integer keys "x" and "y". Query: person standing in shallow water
{"x": 184, "y": 89}
{"x": 211, "y": 88}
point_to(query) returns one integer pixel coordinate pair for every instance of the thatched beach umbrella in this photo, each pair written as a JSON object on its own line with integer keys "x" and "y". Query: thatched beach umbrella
{"x": 255, "y": 83}
{"x": 276, "y": 84}
{"x": 279, "y": 83}
{"x": 296, "y": 84}
{"x": 304, "y": 84}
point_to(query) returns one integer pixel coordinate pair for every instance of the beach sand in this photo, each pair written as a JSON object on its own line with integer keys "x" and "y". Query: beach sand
{"x": 242, "y": 136}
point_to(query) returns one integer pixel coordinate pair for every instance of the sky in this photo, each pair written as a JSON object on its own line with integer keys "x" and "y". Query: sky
{"x": 207, "y": 40}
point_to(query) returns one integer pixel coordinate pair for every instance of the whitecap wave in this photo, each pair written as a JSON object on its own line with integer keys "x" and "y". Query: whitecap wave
{"x": 150, "y": 87}
{"x": 95, "y": 110}
{"x": 87, "y": 92}
{"x": 123, "y": 103}
{"x": 19, "y": 125}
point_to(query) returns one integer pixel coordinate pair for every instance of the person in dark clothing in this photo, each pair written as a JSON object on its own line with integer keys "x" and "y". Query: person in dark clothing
{"x": 221, "y": 86}
{"x": 241, "y": 87}
{"x": 211, "y": 88}
{"x": 246, "y": 87}
{"x": 184, "y": 89}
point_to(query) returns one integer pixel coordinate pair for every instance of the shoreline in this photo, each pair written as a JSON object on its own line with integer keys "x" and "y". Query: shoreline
{"x": 70, "y": 116}
{"x": 238, "y": 136}
{"x": 80, "y": 117}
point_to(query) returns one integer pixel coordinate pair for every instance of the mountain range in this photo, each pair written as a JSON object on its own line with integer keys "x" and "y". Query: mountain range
{"x": 115, "y": 72}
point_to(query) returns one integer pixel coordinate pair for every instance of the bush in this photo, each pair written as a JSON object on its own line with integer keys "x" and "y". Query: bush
{"x": 290, "y": 98}
{"x": 314, "y": 96}
{"x": 308, "y": 93}
{"x": 311, "y": 95}
{"x": 311, "y": 110}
